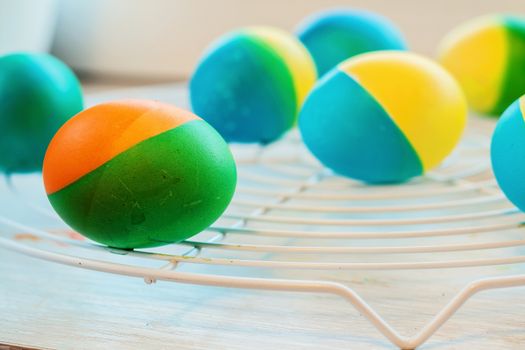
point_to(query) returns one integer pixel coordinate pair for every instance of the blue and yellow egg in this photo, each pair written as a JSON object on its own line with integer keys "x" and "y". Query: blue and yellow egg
{"x": 383, "y": 117}
{"x": 487, "y": 56}
{"x": 334, "y": 36}
{"x": 508, "y": 153}
{"x": 138, "y": 173}
{"x": 251, "y": 84}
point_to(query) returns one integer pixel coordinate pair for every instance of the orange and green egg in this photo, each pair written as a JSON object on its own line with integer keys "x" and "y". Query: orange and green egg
{"x": 138, "y": 173}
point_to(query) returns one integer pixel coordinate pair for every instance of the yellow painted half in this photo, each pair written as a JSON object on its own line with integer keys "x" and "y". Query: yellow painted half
{"x": 522, "y": 106}
{"x": 423, "y": 100}
{"x": 477, "y": 55}
{"x": 296, "y": 56}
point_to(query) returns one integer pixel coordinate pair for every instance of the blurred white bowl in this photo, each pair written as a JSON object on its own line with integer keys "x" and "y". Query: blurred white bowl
{"x": 164, "y": 38}
{"x": 26, "y": 25}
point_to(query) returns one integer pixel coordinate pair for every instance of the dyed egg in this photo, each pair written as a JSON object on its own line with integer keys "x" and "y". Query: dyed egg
{"x": 383, "y": 117}
{"x": 251, "y": 84}
{"x": 334, "y": 36}
{"x": 487, "y": 57}
{"x": 138, "y": 173}
{"x": 38, "y": 93}
{"x": 508, "y": 153}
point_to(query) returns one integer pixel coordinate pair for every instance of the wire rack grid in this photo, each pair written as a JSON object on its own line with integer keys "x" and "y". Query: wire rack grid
{"x": 295, "y": 226}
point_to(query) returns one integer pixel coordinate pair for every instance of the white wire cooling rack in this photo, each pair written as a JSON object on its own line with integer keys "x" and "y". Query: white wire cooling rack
{"x": 295, "y": 226}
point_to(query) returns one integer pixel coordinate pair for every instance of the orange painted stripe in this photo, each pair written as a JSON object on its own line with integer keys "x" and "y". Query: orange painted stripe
{"x": 96, "y": 135}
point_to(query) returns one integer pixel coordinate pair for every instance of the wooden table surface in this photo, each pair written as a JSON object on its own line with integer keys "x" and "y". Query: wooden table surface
{"x": 50, "y": 306}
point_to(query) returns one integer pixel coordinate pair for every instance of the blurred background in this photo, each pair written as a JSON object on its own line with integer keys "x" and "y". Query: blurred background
{"x": 123, "y": 42}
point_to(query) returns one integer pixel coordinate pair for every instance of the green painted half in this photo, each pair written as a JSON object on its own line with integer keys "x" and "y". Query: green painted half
{"x": 281, "y": 74}
{"x": 514, "y": 80}
{"x": 162, "y": 190}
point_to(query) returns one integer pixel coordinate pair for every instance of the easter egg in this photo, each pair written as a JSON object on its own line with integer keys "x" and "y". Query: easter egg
{"x": 383, "y": 117}
{"x": 334, "y": 36}
{"x": 507, "y": 153}
{"x": 138, "y": 173}
{"x": 251, "y": 84}
{"x": 487, "y": 57}
{"x": 38, "y": 93}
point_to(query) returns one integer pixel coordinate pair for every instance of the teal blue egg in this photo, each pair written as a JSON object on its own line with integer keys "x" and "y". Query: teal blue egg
{"x": 38, "y": 93}
{"x": 507, "y": 153}
{"x": 250, "y": 84}
{"x": 336, "y": 35}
